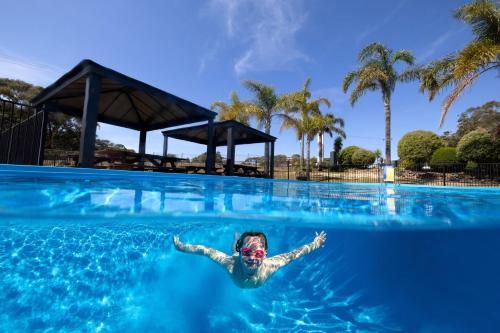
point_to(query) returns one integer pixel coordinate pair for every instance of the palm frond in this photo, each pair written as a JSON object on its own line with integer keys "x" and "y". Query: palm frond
{"x": 475, "y": 56}
{"x": 403, "y": 55}
{"x": 484, "y": 17}
{"x": 374, "y": 50}
{"x": 459, "y": 88}
{"x": 348, "y": 79}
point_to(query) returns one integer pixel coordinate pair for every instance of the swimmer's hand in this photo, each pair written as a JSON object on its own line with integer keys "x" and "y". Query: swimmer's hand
{"x": 178, "y": 244}
{"x": 320, "y": 239}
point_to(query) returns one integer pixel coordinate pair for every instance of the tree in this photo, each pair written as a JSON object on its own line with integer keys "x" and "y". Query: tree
{"x": 363, "y": 157}
{"x": 337, "y": 147}
{"x": 312, "y": 125}
{"x": 18, "y": 91}
{"x": 378, "y": 155}
{"x": 264, "y": 107}
{"x": 345, "y": 156}
{"x": 418, "y": 147}
{"x": 335, "y": 126}
{"x": 297, "y": 106}
{"x": 377, "y": 72}
{"x": 444, "y": 155}
{"x": 478, "y": 146}
{"x": 203, "y": 157}
{"x": 486, "y": 116}
{"x": 237, "y": 110}
{"x": 460, "y": 69}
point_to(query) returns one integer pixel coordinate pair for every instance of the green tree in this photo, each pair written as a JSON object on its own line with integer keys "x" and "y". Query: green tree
{"x": 312, "y": 125}
{"x": 460, "y": 69}
{"x": 237, "y": 110}
{"x": 203, "y": 157}
{"x": 298, "y": 106}
{"x": 378, "y": 155}
{"x": 377, "y": 72}
{"x": 486, "y": 116}
{"x": 337, "y": 147}
{"x": 345, "y": 156}
{"x": 18, "y": 91}
{"x": 335, "y": 126}
{"x": 418, "y": 147}
{"x": 363, "y": 157}
{"x": 264, "y": 107}
{"x": 444, "y": 155}
{"x": 478, "y": 146}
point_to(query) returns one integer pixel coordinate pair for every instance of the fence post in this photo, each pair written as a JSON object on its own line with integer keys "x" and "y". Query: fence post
{"x": 444, "y": 176}
{"x": 288, "y": 169}
{"x": 328, "y": 173}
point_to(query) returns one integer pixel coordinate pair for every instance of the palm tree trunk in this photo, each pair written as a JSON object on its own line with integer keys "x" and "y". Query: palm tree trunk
{"x": 320, "y": 149}
{"x": 266, "y": 152}
{"x": 302, "y": 153}
{"x": 308, "y": 162}
{"x": 387, "y": 111}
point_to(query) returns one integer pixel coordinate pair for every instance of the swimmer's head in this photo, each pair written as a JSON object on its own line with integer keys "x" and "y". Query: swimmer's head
{"x": 252, "y": 247}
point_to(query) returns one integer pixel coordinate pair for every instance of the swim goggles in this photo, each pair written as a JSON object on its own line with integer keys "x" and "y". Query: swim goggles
{"x": 247, "y": 252}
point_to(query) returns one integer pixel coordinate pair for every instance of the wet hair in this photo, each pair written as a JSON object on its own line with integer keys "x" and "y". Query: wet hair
{"x": 239, "y": 242}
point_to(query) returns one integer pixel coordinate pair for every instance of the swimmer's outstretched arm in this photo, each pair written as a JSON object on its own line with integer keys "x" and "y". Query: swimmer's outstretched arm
{"x": 281, "y": 260}
{"x": 217, "y": 256}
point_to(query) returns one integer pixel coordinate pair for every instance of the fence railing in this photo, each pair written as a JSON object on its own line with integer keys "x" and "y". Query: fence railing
{"x": 472, "y": 174}
{"x": 21, "y": 133}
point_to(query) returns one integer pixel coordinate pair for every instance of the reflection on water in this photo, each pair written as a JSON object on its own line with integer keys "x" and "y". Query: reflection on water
{"x": 348, "y": 205}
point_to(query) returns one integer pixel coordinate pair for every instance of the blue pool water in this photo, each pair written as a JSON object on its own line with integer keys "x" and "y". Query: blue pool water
{"x": 91, "y": 251}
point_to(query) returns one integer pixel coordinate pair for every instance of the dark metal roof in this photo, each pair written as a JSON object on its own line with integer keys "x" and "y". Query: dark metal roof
{"x": 124, "y": 101}
{"x": 199, "y": 134}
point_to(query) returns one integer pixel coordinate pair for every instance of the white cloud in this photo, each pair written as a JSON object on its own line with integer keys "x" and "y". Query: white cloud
{"x": 16, "y": 67}
{"x": 267, "y": 29}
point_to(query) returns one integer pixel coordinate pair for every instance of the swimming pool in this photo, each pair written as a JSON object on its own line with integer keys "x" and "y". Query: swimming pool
{"x": 91, "y": 251}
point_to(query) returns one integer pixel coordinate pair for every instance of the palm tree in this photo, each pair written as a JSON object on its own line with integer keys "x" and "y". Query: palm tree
{"x": 237, "y": 110}
{"x": 459, "y": 70}
{"x": 330, "y": 128}
{"x": 299, "y": 102}
{"x": 264, "y": 107}
{"x": 377, "y": 72}
{"x": 312, "y": 125}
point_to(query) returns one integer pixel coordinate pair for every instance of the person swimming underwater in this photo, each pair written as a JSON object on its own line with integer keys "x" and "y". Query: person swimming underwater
{"x": 249, "y": 266}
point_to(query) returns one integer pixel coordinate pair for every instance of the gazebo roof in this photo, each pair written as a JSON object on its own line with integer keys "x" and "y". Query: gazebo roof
{"x": 242, "y": 134}
{"x": 123, "y": 101}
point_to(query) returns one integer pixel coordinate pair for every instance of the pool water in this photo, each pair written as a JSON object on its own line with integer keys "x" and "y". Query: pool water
{"x": 91, "y": 251}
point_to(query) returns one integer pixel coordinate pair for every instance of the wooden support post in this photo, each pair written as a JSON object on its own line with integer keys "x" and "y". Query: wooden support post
{"x": 89, "y": 121}
{"x": 142, "y": 146}
{"x": 165, "y": 145}
{"x": 230, "y": 152}
{"x": 210, "y": 161}
{"x": 271, "y": 157}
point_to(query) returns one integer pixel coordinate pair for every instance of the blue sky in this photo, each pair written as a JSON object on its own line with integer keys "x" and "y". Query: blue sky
{"x": 202, "y": 50}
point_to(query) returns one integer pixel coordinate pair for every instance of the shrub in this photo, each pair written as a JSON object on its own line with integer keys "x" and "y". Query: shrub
{"x": 345, "y": 156}
{"x": 478, "y": 146}
{"x": 363, "y": 157}
{"x": 444, "y": 155}
{"x": 418, "y": 146}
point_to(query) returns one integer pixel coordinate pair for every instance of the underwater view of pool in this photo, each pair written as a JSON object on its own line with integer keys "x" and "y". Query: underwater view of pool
{"x": 85, "y": 250}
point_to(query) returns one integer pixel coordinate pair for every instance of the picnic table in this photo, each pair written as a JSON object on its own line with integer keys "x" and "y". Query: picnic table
{"x": 121, "y": 159}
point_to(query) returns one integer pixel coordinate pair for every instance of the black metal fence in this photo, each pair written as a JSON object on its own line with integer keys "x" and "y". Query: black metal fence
{"x": 459, "y": 174}
{"x": 21, "y": 133}
{"x": 472, "y": 174}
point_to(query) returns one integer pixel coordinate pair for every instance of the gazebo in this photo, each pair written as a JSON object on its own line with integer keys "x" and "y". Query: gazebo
{"x": 226, "y": 133}
{"x": 95, "y": 93}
